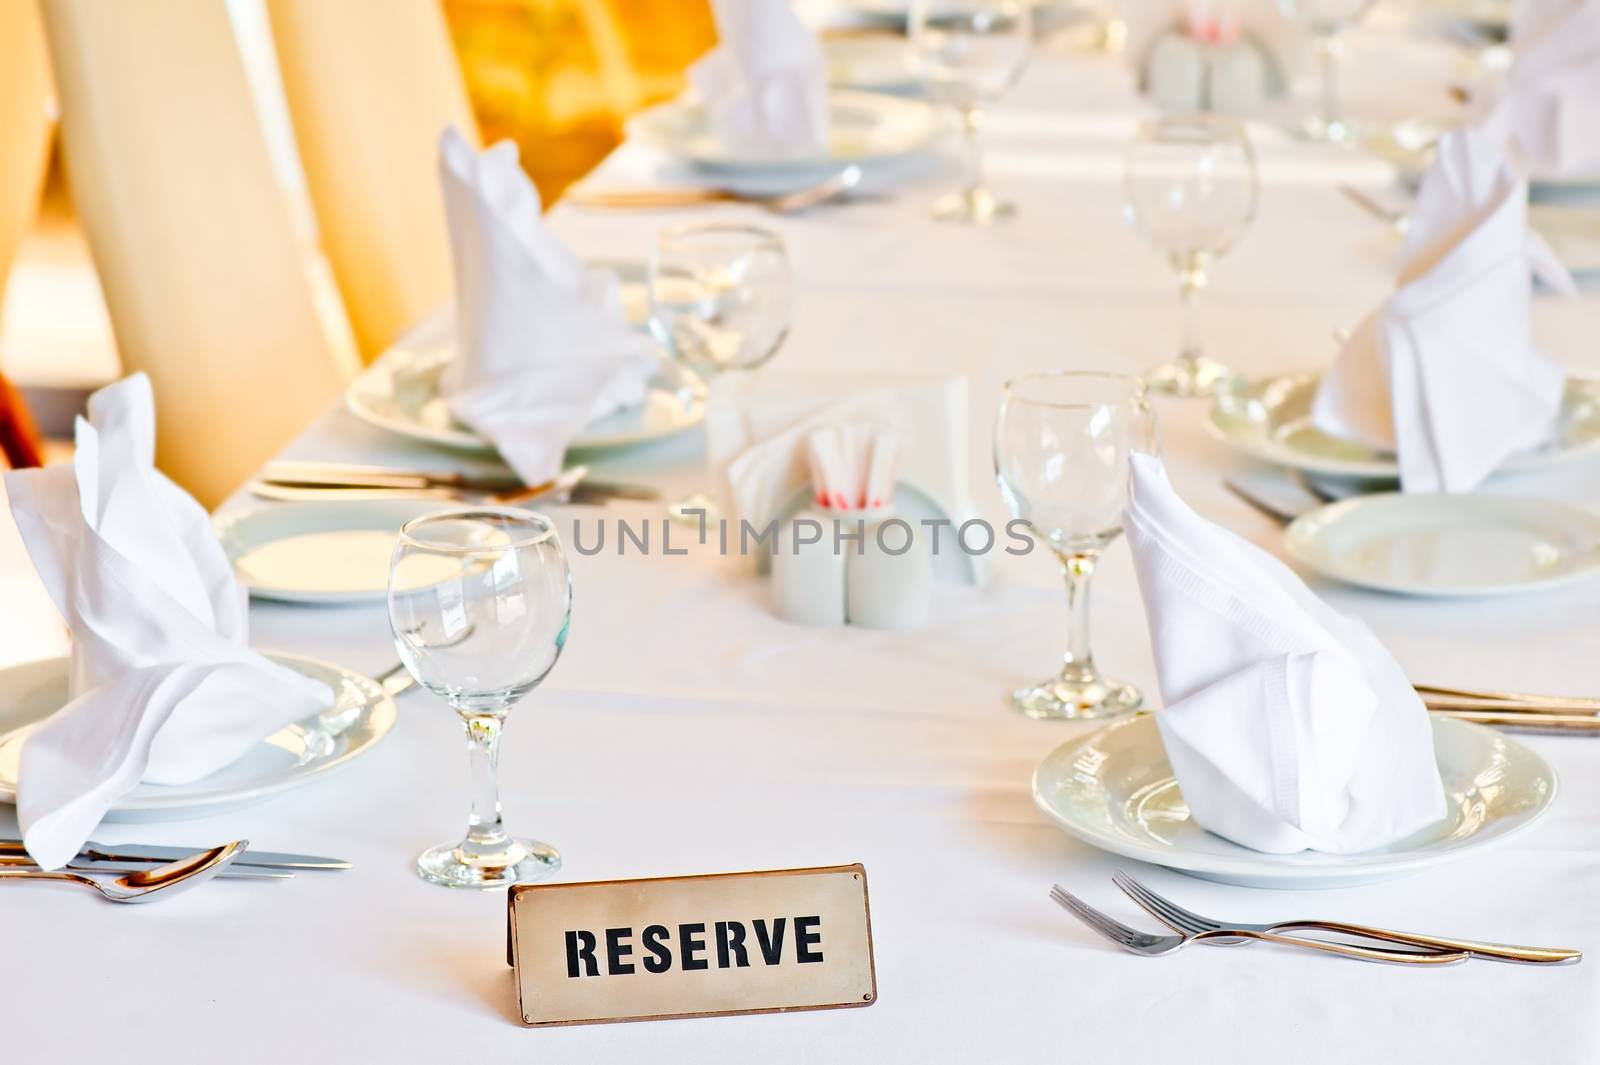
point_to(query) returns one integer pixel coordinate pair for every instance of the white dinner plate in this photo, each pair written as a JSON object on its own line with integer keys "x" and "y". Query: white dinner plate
{"x": 1270, "y": 420}
{"x": 400, "y": 393}
{"x": 863, "y": 127}
{"x": 1448, "y": 545}
{"x": 318, "y": 552}
{"x": 362, "y": 714}
{"x": 1114, "y": 790}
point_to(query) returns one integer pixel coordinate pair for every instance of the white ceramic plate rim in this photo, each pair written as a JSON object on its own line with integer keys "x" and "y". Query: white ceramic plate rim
{"x": 380, "y": 720}
{"x": 378, "y": 379}
{"x": 1300, "y": 540}
{"x": 236, "y": 524}
{"x": 1264, "y": 448}
{"x": 1307, "y": 868}
{"x": 649, "y": 125}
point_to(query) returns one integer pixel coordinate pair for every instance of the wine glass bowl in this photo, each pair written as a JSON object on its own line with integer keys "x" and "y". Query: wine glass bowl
{"x": 966, "y": 53}
{"x": 479, "y": 604}
{"x": 1062, "y": 447}
{"x": 720, "y": 295}
{"x": 1191, "y": 190}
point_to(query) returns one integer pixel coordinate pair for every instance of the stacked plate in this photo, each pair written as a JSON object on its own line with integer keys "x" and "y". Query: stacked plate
{"x": 1418, "y": 544}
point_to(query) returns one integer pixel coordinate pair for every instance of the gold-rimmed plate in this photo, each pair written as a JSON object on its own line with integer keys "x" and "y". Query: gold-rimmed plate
{"x": 1115, "y": 790}
{"x": 362, "y": 713}
{"x": 1270, "y": 420}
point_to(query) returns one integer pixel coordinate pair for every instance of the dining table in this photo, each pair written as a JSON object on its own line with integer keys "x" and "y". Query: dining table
{"x": 687, "y": 729}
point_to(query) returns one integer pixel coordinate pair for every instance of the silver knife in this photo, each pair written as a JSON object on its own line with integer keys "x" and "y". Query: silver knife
{"x": 144, "y": 854}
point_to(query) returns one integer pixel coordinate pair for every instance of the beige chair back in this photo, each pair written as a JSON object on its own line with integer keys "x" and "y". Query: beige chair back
{"x": 25, "y": 124}
{"x": 193, "y": 238}
{"x": 370, "y": 85}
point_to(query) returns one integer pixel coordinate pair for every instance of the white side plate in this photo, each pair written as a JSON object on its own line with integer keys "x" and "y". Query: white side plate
{"x": 1448, "y": 545}
{"x": 1271, "y": 420}
{"x": 362, "y": 714}
{"x": 318, "y": 552}
{"x": 1114, "y": 789}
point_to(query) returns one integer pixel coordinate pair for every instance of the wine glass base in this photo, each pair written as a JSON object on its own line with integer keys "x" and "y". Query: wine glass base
{"x": 692, "y": 510}
{"x": 523, "y": 862}
{"x": 1188, "y": 377}
{"x": 977, "y": 207}
{"x": 1328, "y": 131}
{"x": 1061, "y": 699}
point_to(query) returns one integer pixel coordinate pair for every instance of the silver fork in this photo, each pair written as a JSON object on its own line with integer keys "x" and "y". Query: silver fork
{"x": 1187, "y": 922}
{"x": 1131, "y": 939}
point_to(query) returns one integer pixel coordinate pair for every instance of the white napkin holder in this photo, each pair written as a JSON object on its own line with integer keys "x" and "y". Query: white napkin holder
{"x": 762, "y": 420}
{"x": 881, "y": 579}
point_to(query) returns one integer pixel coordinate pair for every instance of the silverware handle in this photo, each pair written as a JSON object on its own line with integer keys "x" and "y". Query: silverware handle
{"x": 1350, "y": 950}
{"x": 1524, "y": 721}
{"x": 1500, "y": 951}
{"x": 40, "y": 874}
{"x": 643, "y": 198}
{"x": 1512, "y": 697}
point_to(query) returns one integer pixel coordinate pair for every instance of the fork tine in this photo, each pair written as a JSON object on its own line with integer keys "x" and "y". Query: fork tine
{"x": 1113, "y": 930}
{"x": 1162, "y": 909}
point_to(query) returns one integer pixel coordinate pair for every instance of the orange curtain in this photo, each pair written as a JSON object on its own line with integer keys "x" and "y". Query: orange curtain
{"x": 560, "y": 77}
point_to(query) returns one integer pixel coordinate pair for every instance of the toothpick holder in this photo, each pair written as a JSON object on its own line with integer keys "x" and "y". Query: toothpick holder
{"x": 861, "y": 567}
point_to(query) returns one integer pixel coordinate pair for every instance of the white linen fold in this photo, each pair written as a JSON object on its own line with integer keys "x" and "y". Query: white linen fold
{"x": 1445, "y": 373}
{"x": 764, "y": 85}
{"x": 1548, "y": 106}
{"x": 1288, "y": 725}
{"x": 542, "y": 346}
{"x": 163, "y": 687}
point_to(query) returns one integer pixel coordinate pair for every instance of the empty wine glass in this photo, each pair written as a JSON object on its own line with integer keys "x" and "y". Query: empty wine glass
{"x": 479, "y": 602}
{"x": 1327, "y": 21}
{"x": 1191, "y": 191}
{"x": 966, "y": 53}
{"x": 720, "y": 300}
{"x": 1061, "y": 450}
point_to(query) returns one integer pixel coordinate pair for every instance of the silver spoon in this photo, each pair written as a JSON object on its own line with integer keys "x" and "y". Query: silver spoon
{"x": 144, "y": 885}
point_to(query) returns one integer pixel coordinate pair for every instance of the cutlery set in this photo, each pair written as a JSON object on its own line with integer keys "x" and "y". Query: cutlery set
{"x": 148, "y": 870}
{"x": 312, "y": 481}
{"x": 1385, "y": 945}
{"x": 657, "y": 198}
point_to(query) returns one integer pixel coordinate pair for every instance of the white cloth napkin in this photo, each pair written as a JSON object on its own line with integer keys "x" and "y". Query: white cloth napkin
{"x": 765, "y": 84}
{"x": 1445, "y": 372}
{"x": 543, "y": 349}
{"x": 1288, "y": 725}
{"x": 1549, "y": 105}
{"x": 163, "y": 686}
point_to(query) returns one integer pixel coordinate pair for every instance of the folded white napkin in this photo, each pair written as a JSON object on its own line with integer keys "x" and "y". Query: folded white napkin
{"x": 1549, "y": 104}
{"x": 1288, "y": 725}
{"x": 1445, "y": 372}
{"x": 765, "y": 84}
{"x": 543, "y": 349}
{"x": 163, "y": 686}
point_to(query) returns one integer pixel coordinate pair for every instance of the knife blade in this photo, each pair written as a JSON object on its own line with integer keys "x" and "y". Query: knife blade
{"x": 144, "y": 854}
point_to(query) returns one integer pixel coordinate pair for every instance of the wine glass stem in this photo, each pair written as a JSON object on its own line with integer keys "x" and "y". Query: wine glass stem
{"x": 1190, "y": 282}
{"x": 971, "y": 122}
{"x": 1078, "y": 662}
{"x": 486, "y": 834}
{"x": 1327, "y": 48}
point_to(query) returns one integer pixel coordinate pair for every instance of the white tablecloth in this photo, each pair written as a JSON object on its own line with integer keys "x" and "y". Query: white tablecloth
{"x": 687, "y": 730}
